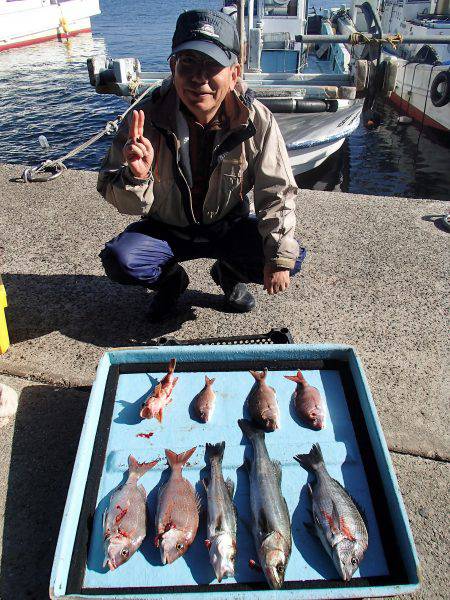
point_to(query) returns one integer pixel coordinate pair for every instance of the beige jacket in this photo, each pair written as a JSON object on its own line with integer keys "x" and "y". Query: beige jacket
{"x": 251, "y": 154}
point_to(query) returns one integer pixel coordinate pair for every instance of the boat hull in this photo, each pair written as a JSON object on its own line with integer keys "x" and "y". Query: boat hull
{"x": 312, "y": 137}
{"x": 34, "y": 22}
{"x": 412, "y": 94}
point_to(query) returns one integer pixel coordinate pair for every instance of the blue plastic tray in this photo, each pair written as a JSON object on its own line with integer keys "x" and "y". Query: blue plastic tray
{"x": 352, "y": 443}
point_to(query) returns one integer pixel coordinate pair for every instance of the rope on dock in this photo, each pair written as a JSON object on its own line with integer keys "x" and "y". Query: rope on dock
{"x": 51, "y": 169}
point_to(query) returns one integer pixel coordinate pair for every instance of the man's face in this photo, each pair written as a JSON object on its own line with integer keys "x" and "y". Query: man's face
{"x": 202, "y": 83}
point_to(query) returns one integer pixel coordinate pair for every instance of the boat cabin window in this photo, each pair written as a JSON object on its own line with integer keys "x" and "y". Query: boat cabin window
{"x": 272, "y": 8}
{"x": 280, "y": 8}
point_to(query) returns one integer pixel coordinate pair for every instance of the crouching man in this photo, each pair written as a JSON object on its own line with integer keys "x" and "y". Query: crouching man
{"x": 185, "y": 162}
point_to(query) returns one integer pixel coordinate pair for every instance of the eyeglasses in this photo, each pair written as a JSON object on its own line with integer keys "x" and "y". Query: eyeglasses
{"x": 191, "y": 64}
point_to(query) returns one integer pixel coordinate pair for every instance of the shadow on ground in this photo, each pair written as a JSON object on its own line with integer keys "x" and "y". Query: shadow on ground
{"x": 47, "y": 430}
{"x": 90, "y": 309}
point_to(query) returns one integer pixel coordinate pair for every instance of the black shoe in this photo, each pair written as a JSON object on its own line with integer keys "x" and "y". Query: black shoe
{"x": 171, "y": 285}
{"x": 237, "y": 296}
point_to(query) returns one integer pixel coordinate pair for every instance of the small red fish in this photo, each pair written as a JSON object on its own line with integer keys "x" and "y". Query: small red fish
{"x": 160, "y": 397}
{"x": 204, "y": 402}
{"x": 145, "y": 435}
{"x": 308, "y": 402}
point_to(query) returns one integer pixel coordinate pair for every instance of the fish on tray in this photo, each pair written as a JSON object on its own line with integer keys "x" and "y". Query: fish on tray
{"x": 271, "y": 526}
{"x": 125, "y": 521}
{"x": 177, "y": 511}
{"x": 262, "y": 403}
{"x": 308, "y": 402}
{"x": 337, "y": 521}
{"x": 160, "y": 396}
{"x": 221, "y": 520}
{"x": 205, "y": 401}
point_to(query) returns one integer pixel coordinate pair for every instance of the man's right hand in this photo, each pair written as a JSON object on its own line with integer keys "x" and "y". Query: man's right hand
{"x": 138, "y": 151}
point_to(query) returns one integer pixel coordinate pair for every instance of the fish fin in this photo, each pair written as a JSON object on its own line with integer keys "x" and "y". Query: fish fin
{"x": 174, "y": 382}
{"x": 336, "y": 520}
{"x": 310, "y": 528}
{"x": 209, "y": 381}
{"x": 218, "y": 525}
{"x": 277, "y": 470}
{"x": 263, "y": 523}
{"x": 172, "y": 365}
{"x": 105, "y": 512}
{"x": 230, "y": 487}
{"x": 205, "y": 482}
{"x": 179, "y": 459}
{"x": 249, "y": 430}
{"x": 198, "y": 502}
{"x": 159, "y": 415}
{"x": 157, "y": 390}
{"x": 310, "y": 490}
{"x": 215, "y": 451}
{"x": 139, "y": 469}
{"x": 310, "y": 461}
{"x": 259, "y": 375}
{"x": 298, "y": 378}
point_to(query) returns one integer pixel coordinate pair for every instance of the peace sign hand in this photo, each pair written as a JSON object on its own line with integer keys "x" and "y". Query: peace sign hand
{"x": 138, "y": 151}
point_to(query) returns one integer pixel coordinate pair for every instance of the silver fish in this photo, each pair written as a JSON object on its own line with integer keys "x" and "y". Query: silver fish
{"x": 221, "y": 522}
{"x": 262, "y": 403}
{"x": 177, "y": 511}
{"x": 205, "y": 400}
{"x": 271, "y": 526}
{"x": 125, "y": 521}
{"x": 337, "y": 522}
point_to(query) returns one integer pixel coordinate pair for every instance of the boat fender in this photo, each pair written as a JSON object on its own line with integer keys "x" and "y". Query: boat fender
{"x": 390, "y": 75}
{"x": 440, "y": 89}
{"x": 64, "y": 24}
{"x": 361, "y": 74}
{"x": 346, "y": 92}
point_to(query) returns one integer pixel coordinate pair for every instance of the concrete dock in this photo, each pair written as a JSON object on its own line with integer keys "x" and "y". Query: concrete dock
{"x": 376, "y": 277}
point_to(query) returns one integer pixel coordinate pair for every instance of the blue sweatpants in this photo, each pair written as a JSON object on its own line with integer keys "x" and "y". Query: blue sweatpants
{"x": 140, "y": 254}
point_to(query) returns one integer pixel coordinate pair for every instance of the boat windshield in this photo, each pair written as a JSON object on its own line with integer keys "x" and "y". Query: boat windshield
{"x": 280, "y": 8}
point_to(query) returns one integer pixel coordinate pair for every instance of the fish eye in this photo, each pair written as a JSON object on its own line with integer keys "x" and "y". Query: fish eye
{"x": 232, "y": 556}
{"x": 179, "y": 547}
{"x": 280, "y": 569}
{"x": 354, "y": 561}
{"x": 125, "y": 552}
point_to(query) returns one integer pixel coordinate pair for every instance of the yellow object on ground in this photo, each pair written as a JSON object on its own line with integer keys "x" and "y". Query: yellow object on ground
{"x": 4, "y": 337}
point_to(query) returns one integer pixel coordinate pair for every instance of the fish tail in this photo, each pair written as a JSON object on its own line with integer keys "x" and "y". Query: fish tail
{"x": 259, "y": 375}
{"x": 215, "y": 451}
{"x": 181, "y": 459}
{"x": 311, "y": 461}
{"x": 172, "y": 365}
{"x": 209, "y": 381}
{"x": 249, "y": 430}
{"x": 137, "y": 468}
{"x": 297, "y": 378}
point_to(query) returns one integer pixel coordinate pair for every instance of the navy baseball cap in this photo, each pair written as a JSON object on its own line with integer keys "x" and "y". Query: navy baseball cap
{"x": 210, "y": 32}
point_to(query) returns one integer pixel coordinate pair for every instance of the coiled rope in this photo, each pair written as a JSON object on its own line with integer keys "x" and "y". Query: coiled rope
{"x": 360, "y": 38}
{"x": 51, "y": 169}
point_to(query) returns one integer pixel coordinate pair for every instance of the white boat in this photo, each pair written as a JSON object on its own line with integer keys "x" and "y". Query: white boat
{"x": 25, "y": 22}
{"x": 422, "y": 86}
{"x": 314, "y": 101}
